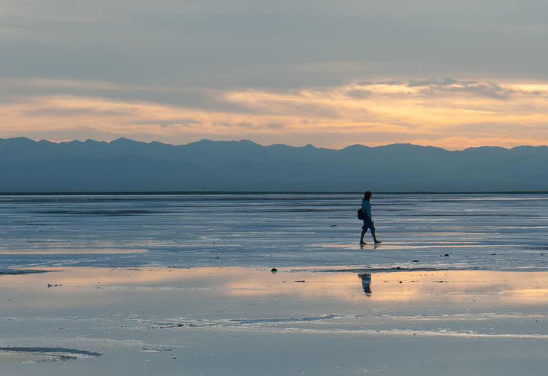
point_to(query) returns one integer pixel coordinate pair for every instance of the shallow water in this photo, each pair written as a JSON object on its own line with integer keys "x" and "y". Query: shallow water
{"x": 483, "y": 231}
{"x": 235, "y": 321}
{"x": 182, "y": 284}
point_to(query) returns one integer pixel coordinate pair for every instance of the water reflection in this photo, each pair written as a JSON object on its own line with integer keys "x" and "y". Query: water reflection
{"x": 366, "y": 283}
{"x": 451, "y": 287}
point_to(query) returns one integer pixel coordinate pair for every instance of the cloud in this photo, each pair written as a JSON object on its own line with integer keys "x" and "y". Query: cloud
{"x": 307, "y": 71}
{"x": 271, "y": 45}
{"x": 71, "y": 112}
{"x": 448, "y": 112}
{"x": 449, "y": 85}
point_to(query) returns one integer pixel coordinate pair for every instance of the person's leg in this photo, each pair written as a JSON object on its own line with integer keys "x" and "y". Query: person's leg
{"x": 364, "y": 230}
{"x": 372, "y": 227}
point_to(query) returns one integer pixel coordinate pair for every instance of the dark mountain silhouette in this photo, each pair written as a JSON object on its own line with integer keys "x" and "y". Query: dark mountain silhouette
{"x": 124, "y": 165}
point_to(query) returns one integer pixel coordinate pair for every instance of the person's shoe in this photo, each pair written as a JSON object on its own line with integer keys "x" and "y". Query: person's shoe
{"x": 363, "y": 243}
{"x": 378, "y": 242}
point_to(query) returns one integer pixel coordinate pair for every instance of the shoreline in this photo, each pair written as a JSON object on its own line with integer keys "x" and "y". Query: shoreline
{"x": 207, "y": 193}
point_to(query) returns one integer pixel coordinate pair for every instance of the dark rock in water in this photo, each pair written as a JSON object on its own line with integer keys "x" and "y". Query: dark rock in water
{"x": 446, "y": 255}
{"x": 415, "y": 261}
{"x": 50, "y": 350}
{"x": 157, "y": 349}
{"x": 273, "y": 270}
{"x": 22, "y": 272}
{"x": 397, "y": 267}
{"x": 300, "y": 281}
{"x": 493, "y": 254}
{"x": 333, "y": 226}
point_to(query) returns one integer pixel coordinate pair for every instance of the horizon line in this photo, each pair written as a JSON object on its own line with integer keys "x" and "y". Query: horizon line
{"x": 123, "y": 138}
{"x": 165, "y": 193}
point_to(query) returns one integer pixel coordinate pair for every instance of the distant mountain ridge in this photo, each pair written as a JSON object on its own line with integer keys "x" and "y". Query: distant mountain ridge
{"x": 124, "y": 165}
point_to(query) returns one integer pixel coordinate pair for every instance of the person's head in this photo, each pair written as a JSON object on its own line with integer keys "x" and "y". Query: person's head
{"x": 367, "y": 195}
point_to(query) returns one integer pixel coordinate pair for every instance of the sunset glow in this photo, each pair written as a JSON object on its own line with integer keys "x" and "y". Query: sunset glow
{"x": 331, "y": 75}
{"x": 449, "y": 114}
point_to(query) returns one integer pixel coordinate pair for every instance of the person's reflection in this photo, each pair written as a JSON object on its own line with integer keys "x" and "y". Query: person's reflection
{"x": 366, "y": 283}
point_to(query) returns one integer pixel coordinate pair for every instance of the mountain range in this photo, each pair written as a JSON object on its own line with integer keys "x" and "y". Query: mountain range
{"x": 124, "y": 165}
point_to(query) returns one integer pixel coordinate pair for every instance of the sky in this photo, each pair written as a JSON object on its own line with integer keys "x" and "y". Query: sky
{"x": 452, "y": 74}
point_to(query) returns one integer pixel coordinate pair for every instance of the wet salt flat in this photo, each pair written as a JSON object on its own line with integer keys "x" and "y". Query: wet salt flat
{"x": 248, "y": 321}
{"x": 182, "y": 285}
{"x": 486, "y": 231}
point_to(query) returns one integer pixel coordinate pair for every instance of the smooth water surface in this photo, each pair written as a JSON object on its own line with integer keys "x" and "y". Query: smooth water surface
{"x": 485, "y": 231}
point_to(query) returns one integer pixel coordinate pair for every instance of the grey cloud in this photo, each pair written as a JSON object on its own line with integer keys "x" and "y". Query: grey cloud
{"x": 358, "y": 94}
{"x": 383, "y": 82}
{"x": 202, "y": 48}
{"x": 446, "y": 85}
{"x": 61, "y": 112}
{"x": 275, "y": 126}
{"x": 228, "y": 43}
{"x": 169, "y": 123}
{"x": 490, "y": 90}
{"x": 432, "y": 81}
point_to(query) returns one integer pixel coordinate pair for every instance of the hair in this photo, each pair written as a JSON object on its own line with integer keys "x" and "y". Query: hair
{"x": 367, "y": 195}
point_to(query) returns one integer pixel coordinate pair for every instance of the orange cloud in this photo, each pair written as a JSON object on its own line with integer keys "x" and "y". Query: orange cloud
{"x": 444, "y": 113}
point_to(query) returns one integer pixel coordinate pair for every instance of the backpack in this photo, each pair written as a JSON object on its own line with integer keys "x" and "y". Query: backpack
{"x": 360, "y": 214}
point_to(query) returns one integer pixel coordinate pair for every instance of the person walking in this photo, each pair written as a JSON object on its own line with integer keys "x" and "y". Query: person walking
{"x": 367, "y": 218}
